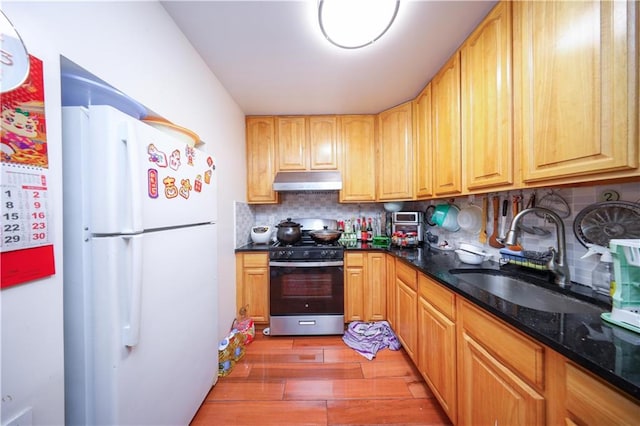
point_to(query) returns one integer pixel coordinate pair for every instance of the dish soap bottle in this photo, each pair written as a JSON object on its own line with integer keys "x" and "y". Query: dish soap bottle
{"x": 602, "y": 279}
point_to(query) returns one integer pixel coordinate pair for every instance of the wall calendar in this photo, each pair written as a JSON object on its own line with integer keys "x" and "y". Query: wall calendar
{"x": 26, "y": 244}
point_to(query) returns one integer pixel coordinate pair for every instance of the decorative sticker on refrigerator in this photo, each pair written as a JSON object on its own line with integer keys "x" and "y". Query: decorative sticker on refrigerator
{"x": 25, "y": 236}
{"x": 175, "y": 185}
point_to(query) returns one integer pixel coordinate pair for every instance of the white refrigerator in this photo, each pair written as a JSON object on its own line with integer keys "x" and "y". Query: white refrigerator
{"x": 140, "y": 290}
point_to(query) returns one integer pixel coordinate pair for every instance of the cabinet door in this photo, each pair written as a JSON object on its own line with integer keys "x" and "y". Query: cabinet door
{"x": 261, "y": 158}
{"x": 357, "y": 139}
{"x": 407, "y": 315}
{"x": 391, "y": 290}
{"x": 576, "y": 88}
{"x": 354, "y": 292}
{"x": 437, "y": 342}
{"x": 487, "y": 122}
{"x": 252, "y": 284}
{"x": 445, "y": 102}
{"x": 591, "y": 402}
{"x": 437, "y": 355}
{"x": 354, "y": 287}
{"x": 375, "y": 287}
{"x": 407, "y": 308}
{"x": 422, "y": 137}
{"x": 292, "y": 140}
{"x": 491, "y": 394}
{"x": 395, "y": 154}
{"x": 323, "y": 142}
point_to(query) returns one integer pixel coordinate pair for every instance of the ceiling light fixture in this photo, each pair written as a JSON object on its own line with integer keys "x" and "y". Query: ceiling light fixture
{"x": 352, "y": 24}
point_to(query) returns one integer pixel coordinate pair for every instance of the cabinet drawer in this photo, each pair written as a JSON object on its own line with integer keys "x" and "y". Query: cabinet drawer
{"x": 590, "y": 401}
{"x": 407, "y": 275}
{"x": 255, "y": 260}
{"x": 354, "y": 259}
{"x": 437, "y": 295}
{"x": 523, "y": 355}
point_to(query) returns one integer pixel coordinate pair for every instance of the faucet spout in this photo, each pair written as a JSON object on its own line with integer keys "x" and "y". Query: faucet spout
{"x": 558, "y": 264}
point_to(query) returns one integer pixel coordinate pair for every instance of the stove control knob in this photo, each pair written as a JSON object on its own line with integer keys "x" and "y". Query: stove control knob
{"x": 290, "y": 253}
{"x": 305, "y": 254}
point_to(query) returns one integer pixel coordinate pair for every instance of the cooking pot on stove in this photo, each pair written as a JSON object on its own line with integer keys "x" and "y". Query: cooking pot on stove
{"x": 289, "y": 232}
{"x": 325, "y": 236}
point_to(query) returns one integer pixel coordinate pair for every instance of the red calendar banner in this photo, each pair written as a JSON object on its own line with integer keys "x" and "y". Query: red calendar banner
{"x": 26, "y": 265}
{"x": 26, "y": 244}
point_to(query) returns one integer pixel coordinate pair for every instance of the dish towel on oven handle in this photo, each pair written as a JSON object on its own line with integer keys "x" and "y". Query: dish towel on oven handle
{"x": 367, "y": 338}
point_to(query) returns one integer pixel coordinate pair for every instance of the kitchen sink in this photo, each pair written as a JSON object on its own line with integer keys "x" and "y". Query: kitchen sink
{"x": 525, "y": 294}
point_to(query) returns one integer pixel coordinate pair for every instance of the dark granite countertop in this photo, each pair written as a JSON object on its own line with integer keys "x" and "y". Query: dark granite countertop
{"x": 608, "y": 351}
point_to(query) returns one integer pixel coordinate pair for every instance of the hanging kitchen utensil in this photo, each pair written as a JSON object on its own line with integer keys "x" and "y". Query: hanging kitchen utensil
{"x": 532, "y": 200}
{"x": 600, "y": 222}
{"x": 470, "y": 219}
{"x": 493, "y": 240}
{"x": 482, "y": 238}
{"x": 536, "y": 230}
{"x": 554, "y": 202}
{"x": 515, "y": 211}
{"x": 503, "y": 224}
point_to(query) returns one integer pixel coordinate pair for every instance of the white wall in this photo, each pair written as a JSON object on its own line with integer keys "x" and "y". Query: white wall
{"x": 135, "y": 47}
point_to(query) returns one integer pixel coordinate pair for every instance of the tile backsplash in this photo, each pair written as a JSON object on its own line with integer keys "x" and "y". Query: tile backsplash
{"x": 326, "y": 205}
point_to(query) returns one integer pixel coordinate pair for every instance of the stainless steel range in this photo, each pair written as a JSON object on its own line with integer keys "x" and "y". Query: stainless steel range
{"x": 307, "y": 284}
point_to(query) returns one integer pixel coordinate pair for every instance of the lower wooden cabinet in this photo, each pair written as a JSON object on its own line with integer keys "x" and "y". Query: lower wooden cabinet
{"x": 252, "y": 284}
{"x": 492, "y": 394}
{"x": 589, "y": 401}
{"x": 406, "y": 326}
{"x": 365, "y": 286}
{"x": 437, "y": 342}
{"x": 495, "y": 386}
{"x": 391, "y": 290}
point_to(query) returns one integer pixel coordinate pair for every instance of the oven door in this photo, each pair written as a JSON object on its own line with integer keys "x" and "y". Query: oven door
{"x": 306, "y": 288}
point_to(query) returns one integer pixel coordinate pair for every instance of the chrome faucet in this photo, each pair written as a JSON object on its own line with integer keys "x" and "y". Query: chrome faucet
{"x": 558, "y": 263}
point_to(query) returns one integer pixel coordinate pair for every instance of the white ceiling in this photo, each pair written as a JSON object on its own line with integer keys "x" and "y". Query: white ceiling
{"x": 272, "y": 58}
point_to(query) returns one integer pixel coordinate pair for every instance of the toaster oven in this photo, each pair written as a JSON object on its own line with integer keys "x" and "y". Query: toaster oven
{"x": 407, "y": 222}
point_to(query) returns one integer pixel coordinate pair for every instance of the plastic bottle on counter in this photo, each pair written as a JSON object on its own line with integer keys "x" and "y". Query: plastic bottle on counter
{"x": 602, "y": 278}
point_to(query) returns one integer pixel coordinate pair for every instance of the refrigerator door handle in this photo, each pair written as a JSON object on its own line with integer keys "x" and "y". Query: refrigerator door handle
{"x": 135, "y": 196}
{"x": 133, "y": 293}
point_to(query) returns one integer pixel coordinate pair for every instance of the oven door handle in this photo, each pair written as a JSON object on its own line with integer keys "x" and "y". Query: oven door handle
{"x": 307, "y": 264}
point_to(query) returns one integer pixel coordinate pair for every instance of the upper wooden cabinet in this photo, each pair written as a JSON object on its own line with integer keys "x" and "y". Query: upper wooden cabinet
{"x": 422, "y": 140}
{"x": 447, "y": 150}
{"x": 486, "y": 98}
{"x": 576, "y": 89}
{"x": 395, "y": 153}
{"x": 323, "y": 142}
{"x": 307, "y": 143}
{"x": 261, "y": 159}
{"x": 291, "y": 143}
{"x": 357, "y": 139}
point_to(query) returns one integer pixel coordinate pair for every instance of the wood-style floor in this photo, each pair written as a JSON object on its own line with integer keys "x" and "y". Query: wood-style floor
{"x": 318, "y": 380}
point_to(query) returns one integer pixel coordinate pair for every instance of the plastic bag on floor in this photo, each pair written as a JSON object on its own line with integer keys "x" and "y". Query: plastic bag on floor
{"x": 367, "y": 338}
{"x": 244, "y": 324}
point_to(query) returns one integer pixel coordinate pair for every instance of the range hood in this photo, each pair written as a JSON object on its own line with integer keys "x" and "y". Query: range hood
{"x": 307, "y": 181}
